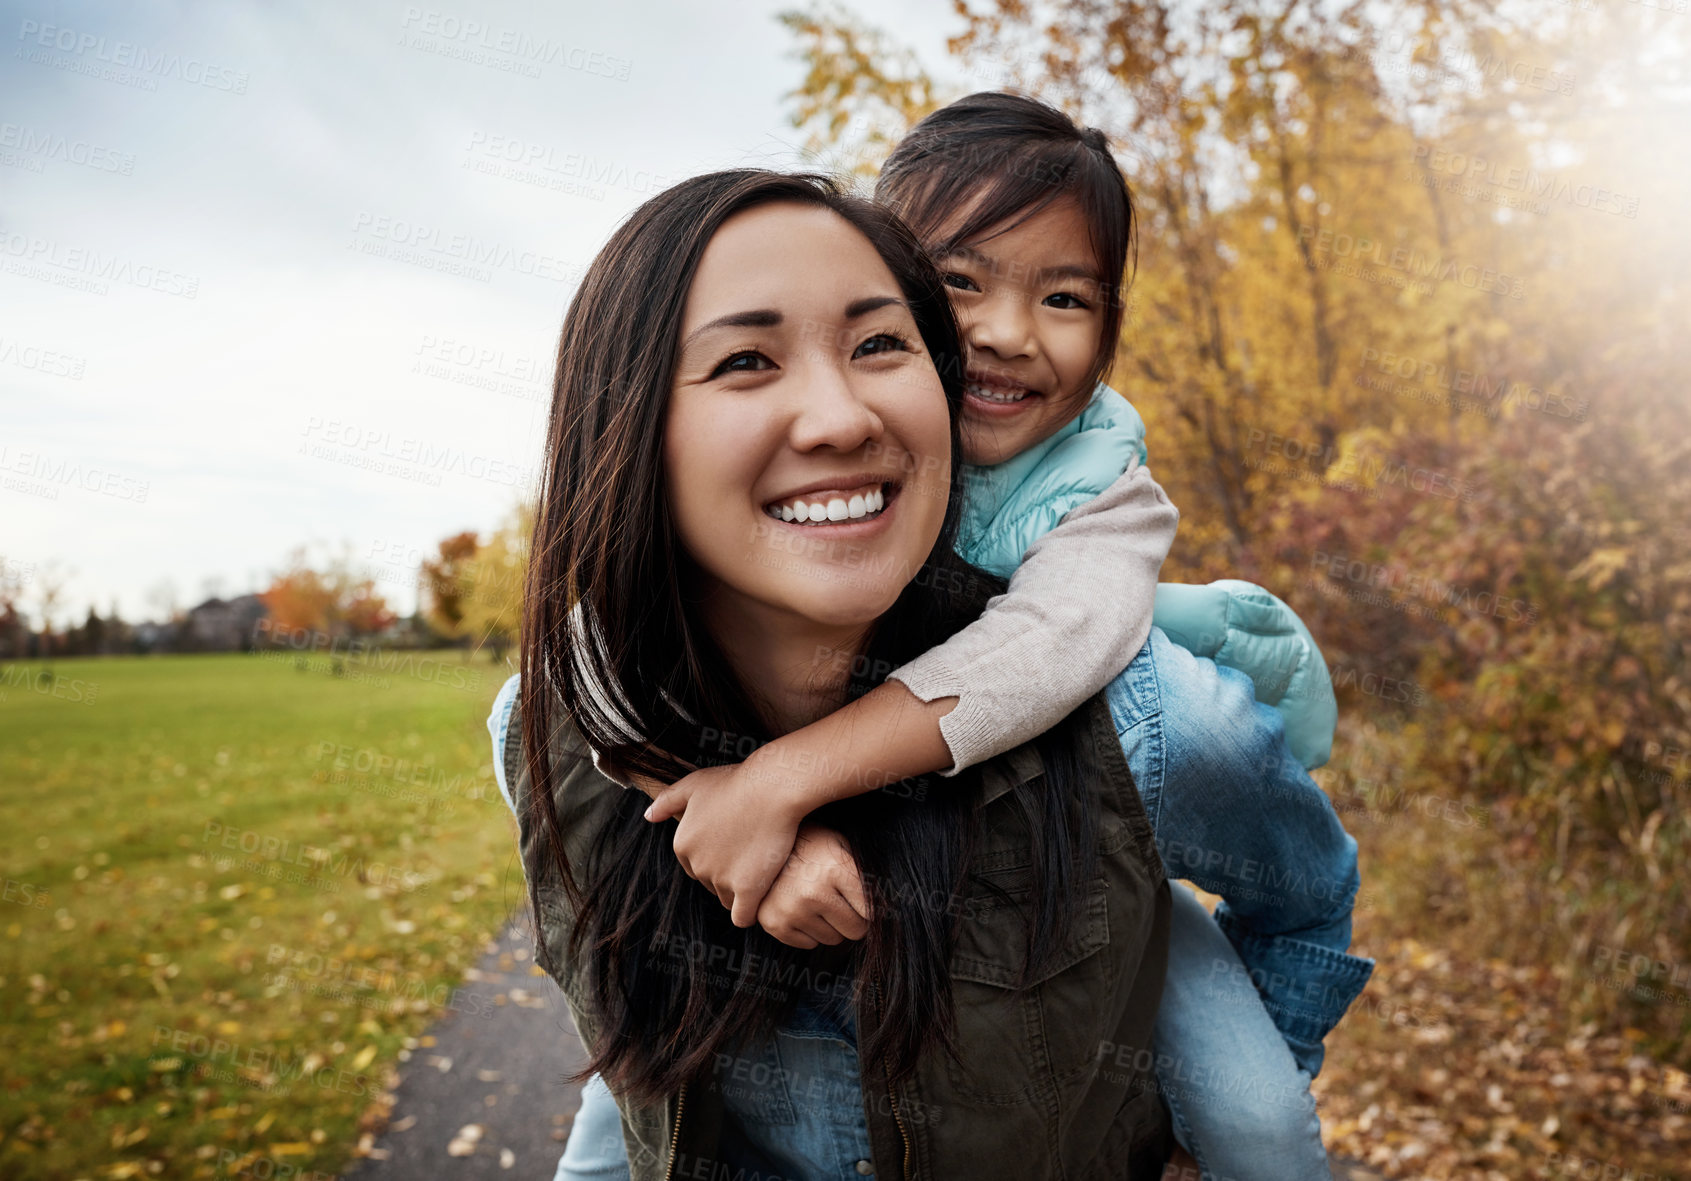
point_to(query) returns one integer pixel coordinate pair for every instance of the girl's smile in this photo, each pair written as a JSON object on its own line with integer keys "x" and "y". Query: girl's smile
{"x": 990, "y": 395}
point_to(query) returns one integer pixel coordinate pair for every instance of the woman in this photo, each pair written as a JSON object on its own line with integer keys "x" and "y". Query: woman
{"x": 746, "y": 338}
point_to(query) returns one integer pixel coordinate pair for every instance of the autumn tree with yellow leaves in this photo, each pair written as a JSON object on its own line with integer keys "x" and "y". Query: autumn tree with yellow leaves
{"x": 472, "y": 588}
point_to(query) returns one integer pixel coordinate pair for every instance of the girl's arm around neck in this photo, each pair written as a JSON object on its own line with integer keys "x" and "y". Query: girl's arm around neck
{"x": 1078, "y": 609}
{"x": 883, "y": 737}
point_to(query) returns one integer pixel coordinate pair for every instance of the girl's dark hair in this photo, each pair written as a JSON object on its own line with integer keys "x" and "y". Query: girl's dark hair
{"x": 611, "y": 637}
{"x": 1004, "y": 157}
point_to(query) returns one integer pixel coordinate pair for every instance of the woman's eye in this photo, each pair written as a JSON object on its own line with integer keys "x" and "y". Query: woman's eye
{"x": 746, "y": 362}
{"x": 881, "y": 342}
{"x": 961, "y": 282}
{"x": 1066, "y": 300}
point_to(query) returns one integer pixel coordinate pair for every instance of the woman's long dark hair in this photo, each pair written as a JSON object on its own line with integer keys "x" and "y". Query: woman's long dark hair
{"x": 611, "y": 637}
{"x": 1004, "y": 157}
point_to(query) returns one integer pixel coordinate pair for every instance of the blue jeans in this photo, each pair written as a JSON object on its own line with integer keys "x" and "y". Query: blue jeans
{"x": 811, "y": 1113}
{"x": 595, "y": 1148}
{"x": 1236, "y": 814}
{"x": 1240, "y": 1101}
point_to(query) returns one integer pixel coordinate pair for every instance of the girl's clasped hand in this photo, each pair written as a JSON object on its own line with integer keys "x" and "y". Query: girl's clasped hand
{"x": 741, "y": 834}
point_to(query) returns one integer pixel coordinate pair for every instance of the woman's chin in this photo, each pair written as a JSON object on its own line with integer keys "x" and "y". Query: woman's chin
{"x": 848, "y": 603}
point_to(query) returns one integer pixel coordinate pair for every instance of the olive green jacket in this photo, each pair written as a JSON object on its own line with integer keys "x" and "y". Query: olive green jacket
{"x": 1054, "y": 1081}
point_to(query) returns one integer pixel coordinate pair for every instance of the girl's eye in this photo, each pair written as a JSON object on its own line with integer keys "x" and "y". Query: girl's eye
{"x": 881, "y": 342}
{"x": 961, "y": 282}
{"x": 1072, "y": 301}
{"x": 749, "y": 361}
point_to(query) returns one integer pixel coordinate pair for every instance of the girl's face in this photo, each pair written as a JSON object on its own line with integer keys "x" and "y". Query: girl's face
{"x": 1029, "y": 303}
{"x": 807, "y": 439}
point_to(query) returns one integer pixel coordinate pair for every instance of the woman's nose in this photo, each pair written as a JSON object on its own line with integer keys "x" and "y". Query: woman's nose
{"x": 832, "y": 412}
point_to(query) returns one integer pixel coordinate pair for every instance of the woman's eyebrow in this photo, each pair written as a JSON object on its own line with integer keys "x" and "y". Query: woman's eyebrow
{"x": 770, "y": 318}
{"x": 862, "y": 307}
{"x": 761, "y": 318}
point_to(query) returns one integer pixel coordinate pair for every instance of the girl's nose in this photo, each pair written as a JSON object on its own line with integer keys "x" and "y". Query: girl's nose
{"x": 1001, "y": 325}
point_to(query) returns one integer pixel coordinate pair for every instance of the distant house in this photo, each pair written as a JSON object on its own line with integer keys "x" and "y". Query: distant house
{"x": 155, "y": 637}
{"x": 222, "y": 625}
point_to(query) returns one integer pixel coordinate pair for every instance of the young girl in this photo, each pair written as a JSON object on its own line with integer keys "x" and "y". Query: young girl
{"x": 1030, "y": 221}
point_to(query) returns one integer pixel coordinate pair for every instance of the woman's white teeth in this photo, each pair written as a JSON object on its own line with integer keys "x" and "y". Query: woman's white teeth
{"x": 987, "y": 394}
{"x": 835, "y": 508}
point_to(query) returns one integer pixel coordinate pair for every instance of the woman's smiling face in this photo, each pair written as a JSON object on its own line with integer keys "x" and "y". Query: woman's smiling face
{"x": 807, "y": 438}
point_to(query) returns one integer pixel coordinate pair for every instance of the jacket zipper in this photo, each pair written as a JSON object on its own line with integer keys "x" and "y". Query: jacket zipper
{"x": 903, "y": 1137}
{"x": 675, "y": 1135}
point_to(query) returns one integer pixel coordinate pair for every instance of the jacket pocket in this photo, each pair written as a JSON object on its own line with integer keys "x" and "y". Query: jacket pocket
{"x": 1017, "y": 1043}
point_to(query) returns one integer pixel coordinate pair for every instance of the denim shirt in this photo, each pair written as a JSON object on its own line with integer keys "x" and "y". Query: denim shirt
{"x": 794, "y": 1104}
{"x": 1235, "y": 814}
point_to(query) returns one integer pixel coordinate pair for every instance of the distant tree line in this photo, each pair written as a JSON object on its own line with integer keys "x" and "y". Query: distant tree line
{"x": 470, "y": 594}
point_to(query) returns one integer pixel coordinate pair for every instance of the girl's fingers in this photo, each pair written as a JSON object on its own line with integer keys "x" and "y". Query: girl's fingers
{"x": 840, "y": 918}
{"x": 846, "y": 919}
{"x": 669, "y": 801}
{"x": 799, "y": 921}
{"x": 824, "y": 931}
{"x": 749, "y": 897}
{"x": 796, "y": 939}
{"x": 745, "y": 907}
{"x": 849, "y": 882}
{"x": 820, "y": 930}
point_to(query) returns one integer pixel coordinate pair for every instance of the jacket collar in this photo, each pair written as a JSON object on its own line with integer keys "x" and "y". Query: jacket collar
{"x": 1009, "y": 771}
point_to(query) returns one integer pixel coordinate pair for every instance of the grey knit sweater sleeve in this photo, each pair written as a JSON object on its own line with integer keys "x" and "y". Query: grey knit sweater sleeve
{"x": 1077, "y": 611}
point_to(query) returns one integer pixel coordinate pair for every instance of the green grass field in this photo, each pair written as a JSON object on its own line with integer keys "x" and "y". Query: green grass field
{"x": 235, "y": 885}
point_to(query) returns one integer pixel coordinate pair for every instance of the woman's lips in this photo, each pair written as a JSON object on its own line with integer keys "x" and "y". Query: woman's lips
{"x": 831, "y": 512}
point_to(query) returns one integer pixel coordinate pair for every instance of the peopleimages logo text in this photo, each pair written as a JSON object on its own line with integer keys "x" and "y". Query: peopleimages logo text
{"x": 464, "y": 247}
{"x": 53, "y": 146}
{"x": 33, "y": 252}
{"x": 130, "y": 56}
{"x": 1407, "y": 261}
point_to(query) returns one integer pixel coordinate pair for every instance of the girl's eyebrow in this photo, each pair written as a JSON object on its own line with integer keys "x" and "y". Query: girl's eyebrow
{"x": 1069, "y": 270}
{"x": 967, "y": 254}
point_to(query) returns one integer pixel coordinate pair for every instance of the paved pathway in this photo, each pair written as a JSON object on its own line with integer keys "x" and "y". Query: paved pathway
{"x": 491, "y": 1086}
{"x": 487, "y": 1099}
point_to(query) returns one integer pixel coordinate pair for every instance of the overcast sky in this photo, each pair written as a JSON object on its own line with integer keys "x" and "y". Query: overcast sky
{"x": 229, "y": 319}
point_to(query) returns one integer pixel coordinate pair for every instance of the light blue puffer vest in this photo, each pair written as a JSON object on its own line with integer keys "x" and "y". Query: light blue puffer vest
{"x": 1238, "y": 624}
